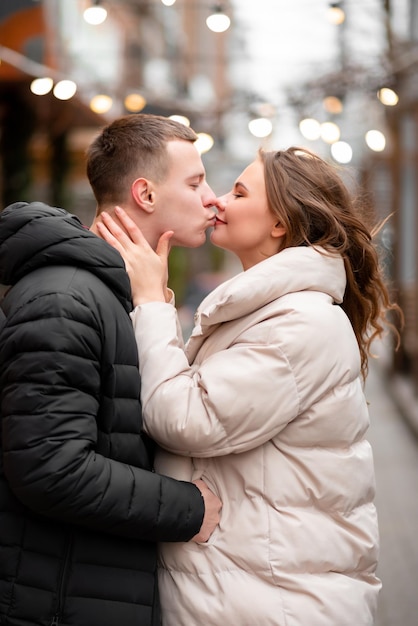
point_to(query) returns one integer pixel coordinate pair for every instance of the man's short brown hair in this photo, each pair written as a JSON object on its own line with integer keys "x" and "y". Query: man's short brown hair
{"x": 131, "y": 147}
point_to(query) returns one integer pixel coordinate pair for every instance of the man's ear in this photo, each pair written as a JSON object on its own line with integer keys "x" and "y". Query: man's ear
{"x": 143, "y": 194}
{"x": 278, "y": 230}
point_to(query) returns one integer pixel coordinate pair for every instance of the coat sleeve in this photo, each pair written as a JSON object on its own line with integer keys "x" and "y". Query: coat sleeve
{"x": 235, "y": 400}
{"x": 50, "y": 391}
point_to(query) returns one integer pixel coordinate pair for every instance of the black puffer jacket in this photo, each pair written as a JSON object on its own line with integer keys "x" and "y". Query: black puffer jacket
{"x": 80, "y": 508}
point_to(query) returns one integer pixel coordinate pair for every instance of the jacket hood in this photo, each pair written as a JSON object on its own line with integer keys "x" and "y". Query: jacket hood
{"x": 34, "y": 235}
{"x": 293, "y": 269}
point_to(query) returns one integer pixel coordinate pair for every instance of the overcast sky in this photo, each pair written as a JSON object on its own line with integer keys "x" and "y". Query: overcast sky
{"x": 288, "y": 42}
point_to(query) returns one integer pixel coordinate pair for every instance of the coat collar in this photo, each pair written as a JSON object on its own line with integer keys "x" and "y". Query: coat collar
{"x": 291, "y": 270}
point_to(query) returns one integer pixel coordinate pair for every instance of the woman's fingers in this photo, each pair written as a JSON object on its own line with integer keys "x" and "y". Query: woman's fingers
{"x": 121, "y": 232}
{"x": 163, "y": 246}
{"x": 106, "y": 234}
{"x": 114, "y": 229}
{"x": 130, "y": 227}
{"x": 129, "y": 241}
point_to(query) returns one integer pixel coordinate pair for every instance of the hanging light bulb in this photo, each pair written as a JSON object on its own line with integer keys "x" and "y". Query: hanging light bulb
{"x": 388, "y": 97}
{"x": 204, "y": 142}
{"x": 336, "y": 13}
{"x": 342, "y": 151}
{"x": 95, "y": 14}
{"x": 376, "y": 140}
{"x": 101, "y": 103}
{"x": 310, "y": 128}
{"x": 135, "y": 102}
{"x": 218, "y": 21}
{"x": 333, "y": 105}
{"x": 64, "y": 89}
{"x": 41, "y": 86}
{"x": 330, "y": 132}
{"x": 260, "y": 127}
{"x": 182, "y": 119}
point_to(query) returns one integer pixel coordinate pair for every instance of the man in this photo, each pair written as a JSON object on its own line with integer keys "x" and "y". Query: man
{"x": 80, "y": 507}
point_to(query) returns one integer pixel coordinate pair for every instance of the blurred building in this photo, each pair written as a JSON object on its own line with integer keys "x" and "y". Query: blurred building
{"x": 146, "y": 56}
{"x": 34, "y": 129}
{"x": 392, "y": 178}
{"x": 379, "y": 136}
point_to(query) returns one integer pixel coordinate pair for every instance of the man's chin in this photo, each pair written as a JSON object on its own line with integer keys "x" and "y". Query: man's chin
{"x": 193, "y": 242}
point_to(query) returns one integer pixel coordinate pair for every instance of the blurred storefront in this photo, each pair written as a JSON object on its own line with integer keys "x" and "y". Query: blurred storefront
{"x": 34, "y": 129}
{"x": 147, "y": 55}
{"x": 392, "y": 179}
{"x": 152, "y": 56}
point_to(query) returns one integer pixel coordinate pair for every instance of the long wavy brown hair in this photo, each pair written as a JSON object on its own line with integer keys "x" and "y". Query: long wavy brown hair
{"x": 311, "y": 201}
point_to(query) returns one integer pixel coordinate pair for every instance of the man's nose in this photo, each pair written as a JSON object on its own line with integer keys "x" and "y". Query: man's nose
{"x": 221, "y": 203}
{"x": 208, "y": 197}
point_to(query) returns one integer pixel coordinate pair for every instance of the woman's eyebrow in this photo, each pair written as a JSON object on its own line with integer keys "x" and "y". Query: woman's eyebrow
{"x": 240, "y": 184}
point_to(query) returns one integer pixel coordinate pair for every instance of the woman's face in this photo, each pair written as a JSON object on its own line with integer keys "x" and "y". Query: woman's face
{"x": 244, "y": 224}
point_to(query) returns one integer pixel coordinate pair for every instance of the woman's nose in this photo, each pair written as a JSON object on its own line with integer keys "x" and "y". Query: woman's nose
{"x": 221, "y": 203}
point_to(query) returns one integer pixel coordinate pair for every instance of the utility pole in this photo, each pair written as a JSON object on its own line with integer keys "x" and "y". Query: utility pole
{"x": 388, "y": 26}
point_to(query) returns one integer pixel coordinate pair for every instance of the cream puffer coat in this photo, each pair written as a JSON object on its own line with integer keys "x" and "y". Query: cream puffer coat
{"x": 271, "y": 414}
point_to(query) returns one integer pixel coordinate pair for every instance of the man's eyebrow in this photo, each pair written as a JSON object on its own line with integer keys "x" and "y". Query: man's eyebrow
{"x": 199, "y": 175}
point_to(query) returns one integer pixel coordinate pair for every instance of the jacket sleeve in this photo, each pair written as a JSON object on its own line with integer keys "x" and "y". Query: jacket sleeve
{"x": 50, "y": 390}
{"x": 235, "y": 400}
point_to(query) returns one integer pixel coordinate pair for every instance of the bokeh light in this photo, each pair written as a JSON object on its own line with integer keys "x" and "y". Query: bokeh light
{"x": 342, "y": 152}
{"x": 310, "y": 128}
{"x": 376, "y": 140}
{"x": 101, "y": 103}
{"x": 65, "y": 89}
{"x": 260, "y": 127}
{"x": 41, "y": 86}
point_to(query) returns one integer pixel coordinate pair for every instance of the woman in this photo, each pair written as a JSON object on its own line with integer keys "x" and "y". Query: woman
{"x": 266, "y": 403}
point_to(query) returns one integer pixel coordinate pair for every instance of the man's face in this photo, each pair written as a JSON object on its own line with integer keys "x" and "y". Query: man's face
{"x": 184, "y": 201}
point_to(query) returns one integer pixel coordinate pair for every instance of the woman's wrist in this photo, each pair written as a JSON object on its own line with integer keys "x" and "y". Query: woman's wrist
{"x": 157, "y": 296}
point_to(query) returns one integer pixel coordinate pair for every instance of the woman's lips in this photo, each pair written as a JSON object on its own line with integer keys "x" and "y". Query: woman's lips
{"x": 219, "y": 221}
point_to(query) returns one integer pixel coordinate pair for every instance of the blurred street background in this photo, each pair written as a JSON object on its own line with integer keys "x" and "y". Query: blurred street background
{"x": 340, "y": 78}
{"x": 395, "y": 450}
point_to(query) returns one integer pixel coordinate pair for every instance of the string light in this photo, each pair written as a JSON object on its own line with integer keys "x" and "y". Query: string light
{"x": 101, "y": 103}
{"x": 65, "y": 89}
{"x": 342, "y": 152}
{"x": 333, "y": 105}
{"x": 388, "y": 97}
{"x": 330, "y": 132}
{"x": 260, "y": 127}
{"x": 310, "y": 128}
{"x": 376, "y": 140}
{"x": 95, "y": 14}
{"x": 336, "y": 14}
{"x": 41, "y": 86}
{"x": 182, "y": 119}
{"x": 134, "y": 102}
{"x": 218, "y": 21}
{"x": 204, "y": 142}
